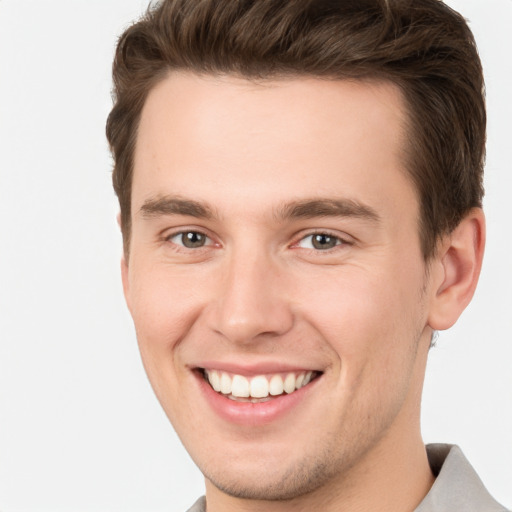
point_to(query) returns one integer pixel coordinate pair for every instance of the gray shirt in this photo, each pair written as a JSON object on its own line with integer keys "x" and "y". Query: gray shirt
{"x": 457, "y": 487}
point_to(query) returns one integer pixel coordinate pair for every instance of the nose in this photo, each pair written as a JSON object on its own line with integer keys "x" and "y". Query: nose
{"x": 252, "y": 301}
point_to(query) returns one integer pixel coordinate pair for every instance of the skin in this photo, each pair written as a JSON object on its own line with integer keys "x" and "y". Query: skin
{"x": 258, "y": 292}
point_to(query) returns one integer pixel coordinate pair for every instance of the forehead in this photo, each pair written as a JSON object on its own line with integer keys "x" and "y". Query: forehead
{"x": 306, "y": 136}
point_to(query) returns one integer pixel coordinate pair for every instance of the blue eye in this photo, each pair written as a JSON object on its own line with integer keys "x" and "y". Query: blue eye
{"x": 190, "y": 239}
{"x": 320, "y": 241}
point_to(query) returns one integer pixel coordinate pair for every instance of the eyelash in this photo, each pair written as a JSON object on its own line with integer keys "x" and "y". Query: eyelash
{"x": 169, "y": 238}
{"x": 339, "y": 240}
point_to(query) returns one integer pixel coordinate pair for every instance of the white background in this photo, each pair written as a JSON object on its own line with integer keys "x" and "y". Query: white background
{"x": 80, "y": 429}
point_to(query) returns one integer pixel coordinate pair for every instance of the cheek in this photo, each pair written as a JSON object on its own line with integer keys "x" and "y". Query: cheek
{"x": 369, "y": 320}
{"x": 350, "y": 307}
{"x": 163, "y": 310}
{"x": 163, "y": 307}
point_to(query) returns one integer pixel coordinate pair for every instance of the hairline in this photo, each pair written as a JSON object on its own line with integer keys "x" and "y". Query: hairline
{"x": 408, "y": 130}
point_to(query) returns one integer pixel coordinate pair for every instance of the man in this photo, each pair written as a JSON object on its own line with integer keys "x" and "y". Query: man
{"x": 300, "y": 186}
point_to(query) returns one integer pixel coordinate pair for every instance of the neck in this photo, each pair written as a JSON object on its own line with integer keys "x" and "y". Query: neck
{"x": 393, "y": 477}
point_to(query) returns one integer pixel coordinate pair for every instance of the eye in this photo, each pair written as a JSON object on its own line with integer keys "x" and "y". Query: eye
{"x": 190, "y": 239}
{"x": 320, "y": 241}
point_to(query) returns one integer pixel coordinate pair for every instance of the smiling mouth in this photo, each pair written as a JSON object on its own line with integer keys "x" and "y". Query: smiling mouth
{"x": 260, "y": 388}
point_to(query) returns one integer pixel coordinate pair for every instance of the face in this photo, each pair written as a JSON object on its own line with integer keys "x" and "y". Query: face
{"x": 275, "y": 277}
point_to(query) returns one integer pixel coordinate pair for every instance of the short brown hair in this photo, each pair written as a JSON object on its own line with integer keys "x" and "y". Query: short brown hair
{"x": 422, "y": 46}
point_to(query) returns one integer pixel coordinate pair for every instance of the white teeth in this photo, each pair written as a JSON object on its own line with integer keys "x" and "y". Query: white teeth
{"x": 214, "y": 380}
{"x": 240, "y": 386}
{"x": 260, "y": 386}
{"x": 276, "y": 386}
{"x": 289, "y": 383}
{"x": 225, "y": 384}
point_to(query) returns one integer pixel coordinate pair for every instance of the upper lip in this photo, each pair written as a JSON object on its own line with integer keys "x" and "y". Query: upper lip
{"x": 253, "y": 369}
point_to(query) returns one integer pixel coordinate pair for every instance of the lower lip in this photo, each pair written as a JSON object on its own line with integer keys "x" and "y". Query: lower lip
{"x": 253, "y": 414}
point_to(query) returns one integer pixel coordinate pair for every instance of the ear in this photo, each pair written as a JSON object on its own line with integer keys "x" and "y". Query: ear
{"x": 456, "y": 270}
{"x": 124, "y": 269}
{"x": 125, "y": 278}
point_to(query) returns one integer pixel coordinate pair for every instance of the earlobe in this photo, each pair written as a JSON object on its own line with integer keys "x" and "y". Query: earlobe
{"x": 457, "y": 269}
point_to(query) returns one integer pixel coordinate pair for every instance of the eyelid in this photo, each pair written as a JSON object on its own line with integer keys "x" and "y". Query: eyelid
{"x": 342, "y": 238}
{"x": 168, "y": 235}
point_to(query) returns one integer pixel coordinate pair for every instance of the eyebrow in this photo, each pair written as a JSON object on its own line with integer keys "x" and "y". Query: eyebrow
{"x": 173, "y": 205}
{"x": 300, "y": 209}
{"x": 311, "y": 208}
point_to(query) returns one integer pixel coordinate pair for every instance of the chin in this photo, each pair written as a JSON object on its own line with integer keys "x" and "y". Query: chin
{"x": 301, "y": 477}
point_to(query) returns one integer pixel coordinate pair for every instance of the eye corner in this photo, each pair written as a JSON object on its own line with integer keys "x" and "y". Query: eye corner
{"x": 321, "y": 241}
{"x": 189, "y": 239}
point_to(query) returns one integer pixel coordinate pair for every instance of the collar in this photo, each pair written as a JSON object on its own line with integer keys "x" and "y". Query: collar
{"x": 457, "y": 486}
